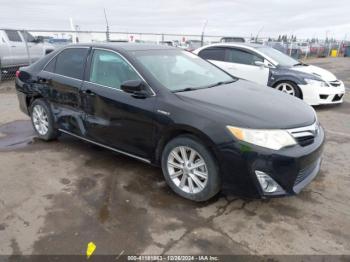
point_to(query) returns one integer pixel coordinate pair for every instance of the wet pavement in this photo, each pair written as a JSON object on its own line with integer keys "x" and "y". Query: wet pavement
{"x": 56, "y": 197}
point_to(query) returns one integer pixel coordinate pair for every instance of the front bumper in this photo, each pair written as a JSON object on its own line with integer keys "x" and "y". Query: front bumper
{"x": 314, "y": 95}
{"x": 292, "y": 168}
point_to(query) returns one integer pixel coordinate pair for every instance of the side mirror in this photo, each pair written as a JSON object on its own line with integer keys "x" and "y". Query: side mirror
{"x": 137, "y": 88}
{"x": 259, "y": 63}
{"x": 37, "y": 40}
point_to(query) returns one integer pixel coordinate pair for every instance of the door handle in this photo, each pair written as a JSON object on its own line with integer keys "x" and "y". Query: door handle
{"x": 88, "y": 92}
{"x": 43, "y": 80}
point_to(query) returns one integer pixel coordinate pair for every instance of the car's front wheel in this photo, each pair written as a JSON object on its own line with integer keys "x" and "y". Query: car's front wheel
{"x": 190, "y": 169}
{"x": 42, "y": 120}
{"x": 289, "y": 88}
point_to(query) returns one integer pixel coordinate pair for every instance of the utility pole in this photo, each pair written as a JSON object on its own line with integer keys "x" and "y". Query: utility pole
{"x": 203, "y": 29}
{"x": 107, "y": 26}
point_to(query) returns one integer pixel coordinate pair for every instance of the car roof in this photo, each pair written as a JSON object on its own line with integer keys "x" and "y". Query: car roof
{"x": 125, "y": 46}
{"x": 251, "y": 45}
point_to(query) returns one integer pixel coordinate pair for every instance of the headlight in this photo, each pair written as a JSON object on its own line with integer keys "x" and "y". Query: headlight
{"x": 273, "y": 139}
{"x": 318, "y": 83}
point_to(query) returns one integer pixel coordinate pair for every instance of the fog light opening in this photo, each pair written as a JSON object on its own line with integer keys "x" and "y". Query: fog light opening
{"x": 267, "y": 184}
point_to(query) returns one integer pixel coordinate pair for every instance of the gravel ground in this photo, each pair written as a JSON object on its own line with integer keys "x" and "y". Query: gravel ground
{"x": 56, "y": 197}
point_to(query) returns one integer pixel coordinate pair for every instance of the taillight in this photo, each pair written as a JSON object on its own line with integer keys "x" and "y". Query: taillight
{"x": 18, "y": 73}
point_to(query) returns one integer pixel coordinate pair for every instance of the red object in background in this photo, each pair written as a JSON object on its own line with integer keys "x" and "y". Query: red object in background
{"x": 18, "y": 73}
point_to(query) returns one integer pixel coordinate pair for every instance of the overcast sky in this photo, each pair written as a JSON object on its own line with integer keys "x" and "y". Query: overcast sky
{"x": 304, "y": 18}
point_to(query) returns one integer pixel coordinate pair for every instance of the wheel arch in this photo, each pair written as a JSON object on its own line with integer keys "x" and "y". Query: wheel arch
{"x": 178, "y": 130}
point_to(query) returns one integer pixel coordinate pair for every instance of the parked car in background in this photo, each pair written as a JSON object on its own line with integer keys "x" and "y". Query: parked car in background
{"x": 168, "y": 107}
{"x": 269, "y": 67}
{"x": 304, "y": 47}
{"x": 19, "y": 48}
{"x": 232, "y": 40}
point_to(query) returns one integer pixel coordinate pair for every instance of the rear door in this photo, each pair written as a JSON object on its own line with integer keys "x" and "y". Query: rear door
{"x": 113, "y": 117}
{"x": 62, "y": 79}
{"x": 217, "y": 56}
{"x": 19, "y": 55}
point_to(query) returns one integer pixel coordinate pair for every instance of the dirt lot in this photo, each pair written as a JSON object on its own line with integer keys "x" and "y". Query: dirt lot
{"x": 56, "y": 197}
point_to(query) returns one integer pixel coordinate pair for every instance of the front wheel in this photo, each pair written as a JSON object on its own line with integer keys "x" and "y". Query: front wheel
{"x": 42, "y": 120}
{"x": 289, "y": 88}
{"x": 190, "y": 169}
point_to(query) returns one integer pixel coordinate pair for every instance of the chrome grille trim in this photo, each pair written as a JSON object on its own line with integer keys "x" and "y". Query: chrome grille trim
{"x": 305, "y": 135}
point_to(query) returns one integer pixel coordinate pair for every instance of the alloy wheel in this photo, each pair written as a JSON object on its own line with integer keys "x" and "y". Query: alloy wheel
{"x": 187, "y": 169}
{"x": 286, "y": 88}
{"x": 40, "y": 120}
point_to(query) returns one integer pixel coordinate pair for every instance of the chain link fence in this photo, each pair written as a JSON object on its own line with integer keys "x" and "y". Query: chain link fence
{"x": 21, "y": 47}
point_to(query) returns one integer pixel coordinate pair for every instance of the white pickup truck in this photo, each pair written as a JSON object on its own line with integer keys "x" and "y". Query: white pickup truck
{"x": 19, "y": 48}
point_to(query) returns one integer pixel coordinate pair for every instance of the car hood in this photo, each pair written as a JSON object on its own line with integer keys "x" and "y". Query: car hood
{"x": 316, "y": 71}
{"x": 246, "y": 104}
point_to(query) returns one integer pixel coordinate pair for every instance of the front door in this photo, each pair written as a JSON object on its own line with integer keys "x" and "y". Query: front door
{"x": 113, "y": 117}
{"x": 241, "y": 63}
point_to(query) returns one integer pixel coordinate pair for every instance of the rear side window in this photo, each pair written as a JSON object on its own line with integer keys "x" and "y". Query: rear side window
{"x": 71, "y": 62}
{"x": 217, "y": 54}
{"x": 50, "y": 67}
{"x": 110, "y": 69}
{"x": 13, "y": 36}
{"x": 242, "y": 57}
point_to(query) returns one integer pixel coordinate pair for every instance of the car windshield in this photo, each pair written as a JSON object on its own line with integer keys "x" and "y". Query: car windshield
{"x": 181, "y": 70}
{"x": 279, "y": 57}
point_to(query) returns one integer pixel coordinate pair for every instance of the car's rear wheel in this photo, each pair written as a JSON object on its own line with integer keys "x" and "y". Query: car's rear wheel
{"x": 190, "y": 169}
{"x": 289, "y": 88}
{"x": 42, "y": 120}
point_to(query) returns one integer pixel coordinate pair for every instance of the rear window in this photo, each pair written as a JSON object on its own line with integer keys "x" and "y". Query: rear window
{"x": 71, "y": 62}
{"x": 217, "y": 54}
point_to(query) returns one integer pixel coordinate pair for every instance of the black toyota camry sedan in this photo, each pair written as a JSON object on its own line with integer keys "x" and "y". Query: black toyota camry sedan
{"x": 206, "y": 129}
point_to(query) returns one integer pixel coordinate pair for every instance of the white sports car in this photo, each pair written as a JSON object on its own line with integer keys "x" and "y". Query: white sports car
{"x": 268, "y": 66}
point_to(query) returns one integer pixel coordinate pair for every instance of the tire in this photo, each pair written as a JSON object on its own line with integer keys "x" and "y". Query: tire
{"x": 288, "y": 87}
{"x": 201, "y": 187}
{"x": 41, "y": 117}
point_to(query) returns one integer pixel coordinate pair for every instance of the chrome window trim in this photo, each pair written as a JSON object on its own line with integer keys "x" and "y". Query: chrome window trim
{"x": 107, "y": 147}
{"x": 127, "y": 61}
{"x": 76, "y": 79}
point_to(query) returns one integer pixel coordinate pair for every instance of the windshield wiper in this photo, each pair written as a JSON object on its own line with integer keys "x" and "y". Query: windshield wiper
{"x": 185, "y": 89}
{"x": 220, "y": 83}
{"x": 203, "y": 87}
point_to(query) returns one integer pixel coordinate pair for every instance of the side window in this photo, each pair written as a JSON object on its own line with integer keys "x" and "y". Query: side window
{"x": 242, "y": 57}
{"x": 109, "y": 69}
{"x": 70, "y": 62}
{"x": 217, "y": 54}
{"x": 13, "y": 35}
{"x": 50, "y": 67}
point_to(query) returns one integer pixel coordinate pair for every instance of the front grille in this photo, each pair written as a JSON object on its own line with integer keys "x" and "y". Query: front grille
{"x": 305, "y": 172}
{"x": 305, "y": 135}
{"x": 335, "y": 83}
